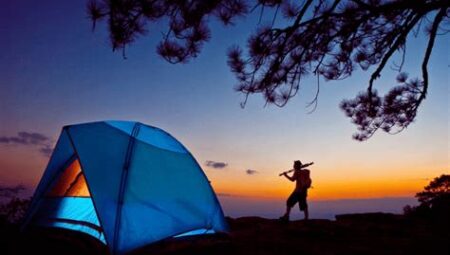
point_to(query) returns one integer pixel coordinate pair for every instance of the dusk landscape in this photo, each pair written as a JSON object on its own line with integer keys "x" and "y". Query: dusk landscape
{"x": 208, "y": 83}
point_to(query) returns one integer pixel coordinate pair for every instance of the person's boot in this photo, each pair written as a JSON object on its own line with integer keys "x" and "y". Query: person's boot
{"x": 284, "y": 218}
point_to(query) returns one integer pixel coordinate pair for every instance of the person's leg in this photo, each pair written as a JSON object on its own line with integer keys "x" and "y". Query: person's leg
{"x": 303, "y": 205}
{"x": 289, "y": 204}
{"x": 288, "y": 211}
{"x": 306, "y": 205}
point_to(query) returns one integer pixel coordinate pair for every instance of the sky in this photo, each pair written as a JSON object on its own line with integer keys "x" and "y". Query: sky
{"x": 55, "y": 71}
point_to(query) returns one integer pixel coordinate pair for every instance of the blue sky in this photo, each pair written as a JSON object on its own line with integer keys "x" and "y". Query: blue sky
{"x": 55, "y": 71}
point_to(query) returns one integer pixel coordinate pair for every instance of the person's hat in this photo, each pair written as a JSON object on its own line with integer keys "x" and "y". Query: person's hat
{"x": 298, "y": 163}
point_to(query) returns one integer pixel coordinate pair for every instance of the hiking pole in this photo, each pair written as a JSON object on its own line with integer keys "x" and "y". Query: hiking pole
{"x": 288, "y": 171}
{"x": 285, "y": 172}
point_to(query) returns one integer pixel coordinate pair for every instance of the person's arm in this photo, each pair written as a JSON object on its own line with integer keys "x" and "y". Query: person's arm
{"x": 291, "y": 178}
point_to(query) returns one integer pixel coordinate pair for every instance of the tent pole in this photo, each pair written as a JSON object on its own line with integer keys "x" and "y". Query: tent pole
{"x": 87, "y": 183}
{"x": 123, "y": 181}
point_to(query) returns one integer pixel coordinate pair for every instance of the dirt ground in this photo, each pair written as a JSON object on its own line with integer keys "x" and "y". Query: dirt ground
{"x": 349, "y": 234}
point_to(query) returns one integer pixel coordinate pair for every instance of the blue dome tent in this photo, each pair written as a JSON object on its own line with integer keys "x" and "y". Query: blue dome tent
{"x": 126, "y": 184}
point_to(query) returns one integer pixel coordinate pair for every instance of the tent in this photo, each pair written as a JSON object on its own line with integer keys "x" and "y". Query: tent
{"x": 126, "y": 184}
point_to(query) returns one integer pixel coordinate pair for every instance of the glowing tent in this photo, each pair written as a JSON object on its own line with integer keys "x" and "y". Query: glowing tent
{"x": 125, "y": 183}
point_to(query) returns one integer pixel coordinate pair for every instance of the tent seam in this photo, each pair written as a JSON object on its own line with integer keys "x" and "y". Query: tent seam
{"x": 87, "y": 182}
{"x": 141, "y": 124}
{"x": 123, "y": 181}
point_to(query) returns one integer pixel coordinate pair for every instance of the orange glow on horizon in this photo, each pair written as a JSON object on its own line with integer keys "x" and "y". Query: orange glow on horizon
{"x": 326, "y": 187}
{"x": 329, "y": 191}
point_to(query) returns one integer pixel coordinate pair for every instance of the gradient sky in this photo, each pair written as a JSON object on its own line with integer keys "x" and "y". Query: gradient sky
{"x": 55, "y": 71}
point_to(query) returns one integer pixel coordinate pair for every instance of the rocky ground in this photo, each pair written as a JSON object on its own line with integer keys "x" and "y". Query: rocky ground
{"x": 349, "y": 234}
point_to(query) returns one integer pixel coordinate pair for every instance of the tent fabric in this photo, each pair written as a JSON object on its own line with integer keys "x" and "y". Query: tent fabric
{"x": 175, "y": 196}
{"x": 101, "y": 151}
{"x": 127, "y": 184}
{"x": 74, "y": 213}
{"x": 63, "y": 153}
{"x": 150, "y": 135}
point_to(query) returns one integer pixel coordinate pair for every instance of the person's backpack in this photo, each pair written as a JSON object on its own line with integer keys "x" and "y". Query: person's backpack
{"x": 306, "y": 182}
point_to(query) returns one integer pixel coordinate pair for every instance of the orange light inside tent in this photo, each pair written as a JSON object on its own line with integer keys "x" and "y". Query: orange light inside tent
{"x": 71, "y": 183}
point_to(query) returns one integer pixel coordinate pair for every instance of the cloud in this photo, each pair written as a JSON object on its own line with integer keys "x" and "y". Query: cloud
{"x": 25, "y": 138}
{"x": 251, "y": 172}
{"x": 41, "y": 141}
{"x": 216, "y": 164}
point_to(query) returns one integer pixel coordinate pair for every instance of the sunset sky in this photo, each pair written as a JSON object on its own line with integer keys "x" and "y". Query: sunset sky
{"x": 55, "y": 71}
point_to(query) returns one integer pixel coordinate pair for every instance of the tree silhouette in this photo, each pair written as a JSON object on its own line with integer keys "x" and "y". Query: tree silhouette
{"x": 327, "y": 39}
{"x": 12, "y": 206}
{"x": 436, "y": 193}
{"x": 434, "y": 201}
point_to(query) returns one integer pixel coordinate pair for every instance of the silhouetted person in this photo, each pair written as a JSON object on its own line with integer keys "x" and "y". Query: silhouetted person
{"x": 302, "y": 183}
